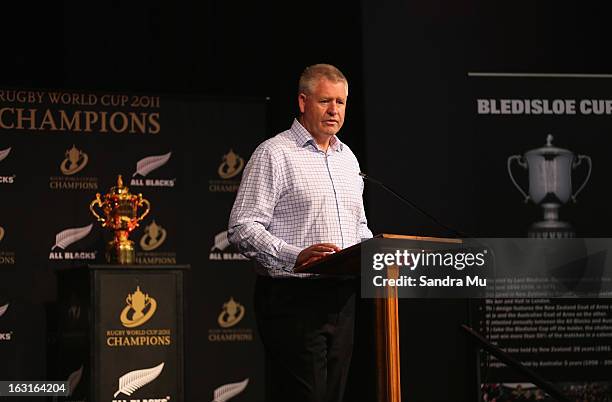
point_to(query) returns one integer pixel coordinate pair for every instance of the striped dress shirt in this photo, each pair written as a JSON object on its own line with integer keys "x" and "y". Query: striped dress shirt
{"x": 294, "y": 195}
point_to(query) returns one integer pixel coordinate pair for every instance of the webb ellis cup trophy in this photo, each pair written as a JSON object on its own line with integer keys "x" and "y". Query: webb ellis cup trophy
{"x": 550, "y": 185}
{"x": 120, "y": 209}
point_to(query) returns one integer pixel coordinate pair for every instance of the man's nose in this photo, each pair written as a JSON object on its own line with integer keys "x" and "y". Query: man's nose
{"x": 332, "y": 108}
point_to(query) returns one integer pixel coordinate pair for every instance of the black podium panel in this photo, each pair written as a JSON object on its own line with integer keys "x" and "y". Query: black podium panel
{"x": 116, "y": 333}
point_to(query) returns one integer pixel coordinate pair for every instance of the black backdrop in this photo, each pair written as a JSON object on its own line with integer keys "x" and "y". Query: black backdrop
{"x": 425, "y": 138}
{"x": 411, "y": 116}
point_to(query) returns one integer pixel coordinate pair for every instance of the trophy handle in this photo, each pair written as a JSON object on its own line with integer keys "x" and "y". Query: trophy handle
{"x": 522, "y": 163}
{"x": 97, "y": 202}
{"x": 577, "y": 163}
{"x": 144, "y": 201}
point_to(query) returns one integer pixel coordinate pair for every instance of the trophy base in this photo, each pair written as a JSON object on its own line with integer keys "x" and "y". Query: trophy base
{"x": 120, "y": 252}
{"x": 551, "y": 230}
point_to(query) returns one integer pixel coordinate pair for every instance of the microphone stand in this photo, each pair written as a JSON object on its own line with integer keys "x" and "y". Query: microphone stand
{"x": 414, "y": 206}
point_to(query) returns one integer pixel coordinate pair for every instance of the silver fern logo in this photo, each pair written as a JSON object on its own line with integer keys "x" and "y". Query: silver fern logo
{"x": 221, "y": 241}
{"x": 228, "y": 391}
{"x": 6, "y": 179}
{"x": 66, "y": 237}
{"x": 5, "y": 336}
{"x": 4, "y": 153}
{"x": 218, "y": 250}
{"x": 74, "y": 312}
{"x": 73, "y": 380}
{"x": 150, "y": 163}
{"x": 146, "y": 166}
{"x": 130, "y": 382}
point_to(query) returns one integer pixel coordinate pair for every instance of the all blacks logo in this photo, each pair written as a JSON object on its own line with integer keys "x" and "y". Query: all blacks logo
{"x": 8, "y": 179}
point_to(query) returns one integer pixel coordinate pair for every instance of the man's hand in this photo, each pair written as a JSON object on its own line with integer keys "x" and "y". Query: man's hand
{"x": 315, "y": 252}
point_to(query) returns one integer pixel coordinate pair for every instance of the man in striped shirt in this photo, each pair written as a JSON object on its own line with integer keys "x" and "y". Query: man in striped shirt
{"x": 300, "y": 199}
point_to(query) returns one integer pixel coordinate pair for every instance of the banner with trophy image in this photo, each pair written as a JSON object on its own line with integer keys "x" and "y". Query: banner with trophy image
{"x": 542, "y": 142}
{"x": 60, "y": 149}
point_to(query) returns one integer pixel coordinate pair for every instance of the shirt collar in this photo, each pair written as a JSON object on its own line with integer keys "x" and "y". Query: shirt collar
{"x": 303, "y": 137}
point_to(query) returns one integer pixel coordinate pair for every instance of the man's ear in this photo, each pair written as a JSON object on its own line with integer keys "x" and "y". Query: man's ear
{"x": 302, "y": 101}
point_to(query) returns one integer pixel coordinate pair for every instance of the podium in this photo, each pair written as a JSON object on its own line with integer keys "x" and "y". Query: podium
{"x": 348, "y": 262}
{"x": 116, "y": 332}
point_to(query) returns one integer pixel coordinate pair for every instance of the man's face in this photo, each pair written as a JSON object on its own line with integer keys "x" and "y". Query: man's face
{"x": 323, "y": 109}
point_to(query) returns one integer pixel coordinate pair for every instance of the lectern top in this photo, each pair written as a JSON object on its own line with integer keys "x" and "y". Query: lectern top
{"x": 347, "y": 261}
{"x": 418, "y": 238}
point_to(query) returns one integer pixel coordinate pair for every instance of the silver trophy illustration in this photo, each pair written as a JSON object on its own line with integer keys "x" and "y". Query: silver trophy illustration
{"x": 550, "y": 185}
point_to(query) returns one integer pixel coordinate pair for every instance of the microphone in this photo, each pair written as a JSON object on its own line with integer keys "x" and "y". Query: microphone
{"x": 412, "y": 205}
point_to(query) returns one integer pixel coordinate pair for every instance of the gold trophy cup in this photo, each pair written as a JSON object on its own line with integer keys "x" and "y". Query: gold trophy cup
{"x": 120, "y": 209}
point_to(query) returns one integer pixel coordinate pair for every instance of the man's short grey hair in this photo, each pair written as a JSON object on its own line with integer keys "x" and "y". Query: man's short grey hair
{"x": 312, "y": 74}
